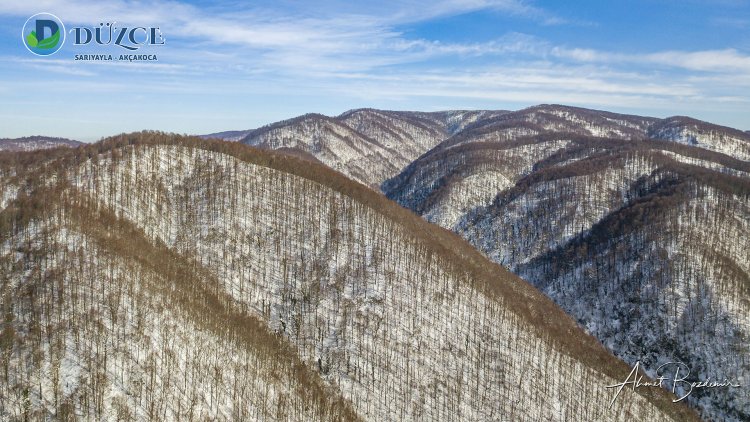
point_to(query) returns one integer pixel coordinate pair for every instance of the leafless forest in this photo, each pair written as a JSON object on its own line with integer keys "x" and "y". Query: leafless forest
{"x": 158, "y": 277}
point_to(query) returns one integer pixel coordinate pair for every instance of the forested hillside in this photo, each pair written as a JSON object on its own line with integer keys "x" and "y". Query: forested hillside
{"x": 158, "y": 277}
{"x": 366, "y": 145}
{"x": 643, "y": 240}
{"x": 31, "y": 143}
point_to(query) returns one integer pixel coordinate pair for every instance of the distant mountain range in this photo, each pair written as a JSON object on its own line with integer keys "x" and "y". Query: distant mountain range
{"x": 359, "y": 141}
{"x": 366, "y": 145}
{"x": 637, "y": 226}
{"x": 229, "y": 135}
{"x": 158, "y": 277}
{"x": 31, "y": 143}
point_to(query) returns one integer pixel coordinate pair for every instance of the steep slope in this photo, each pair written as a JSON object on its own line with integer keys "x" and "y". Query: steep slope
{"x": 398, "y": 318}
{"x": 366, "y": 145}
{"x": 407, "y": 134}
{"x": 644, "y": 243}
{"x": 325, "y": 139}
{"x": 453, "y": 121}
{"x": 31, "y": 143}
{"x": 546, "y": 118}
{"x": 371, "y": 146}
{"x": 689, "y": 131}
{"x": 101, "y": 323}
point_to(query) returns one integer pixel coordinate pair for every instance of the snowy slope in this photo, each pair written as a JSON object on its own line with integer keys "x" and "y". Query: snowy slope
{"x": 546, "y": 118}
{"x": 542, "y": 206}
{"x": 366, "y": 145}
{"x": 162, "y": 240}
{"x": 31, "y": 143}
{"x": 230, "y": 135}
{"x": 689, "y": 131}
{"x": 331, "y": 142}
{"x": 99, "y": 327}
{"x": 375, "y": 145}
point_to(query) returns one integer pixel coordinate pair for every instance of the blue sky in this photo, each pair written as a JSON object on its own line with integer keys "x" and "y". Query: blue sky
{"x": 242, "y": 64}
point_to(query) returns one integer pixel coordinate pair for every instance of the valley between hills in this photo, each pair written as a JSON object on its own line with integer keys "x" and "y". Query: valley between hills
{"x": 379, "y": 265}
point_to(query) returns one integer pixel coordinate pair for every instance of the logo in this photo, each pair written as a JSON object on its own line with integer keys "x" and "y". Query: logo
{"x": 129, "y": 38}
{"x": 43, "y": 34}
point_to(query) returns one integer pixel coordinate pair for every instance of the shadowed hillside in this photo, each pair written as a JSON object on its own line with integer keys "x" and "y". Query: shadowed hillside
{"x": 644, "y": 241}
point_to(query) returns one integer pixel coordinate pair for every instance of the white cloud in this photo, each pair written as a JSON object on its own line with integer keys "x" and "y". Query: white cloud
{"x": 573, "y": 84}
{"x": 355, "y": 51}
{"x": 724, "y": 61}
{"x": 728, "y": 60}
{"x": 421, "y": 10}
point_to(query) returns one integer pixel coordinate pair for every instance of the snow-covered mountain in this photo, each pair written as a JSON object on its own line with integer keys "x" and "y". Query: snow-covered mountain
{"x": 703, "y": 134}
{"x": 371, "y": 146}
{"x": 31, "y": 143}
{"x": 229, "y": 135}
{"x": 166, "y": 278}
{"x": 366, "y": 145}
{"x": 644, "y": 242}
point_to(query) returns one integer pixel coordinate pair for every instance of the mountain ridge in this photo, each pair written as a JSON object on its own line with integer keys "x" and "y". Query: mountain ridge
{"x": 547, "y": 204}
{"x": 35, "y": 142}
{"x": 375, "y": 145}
{"x": 99, "y": 172}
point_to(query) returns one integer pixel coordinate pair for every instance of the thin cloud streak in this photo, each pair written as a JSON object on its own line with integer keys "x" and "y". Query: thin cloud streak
{"x": 360, "y": 55}
{"x": 362, "y": 42}
{"x": 721, "y": 61}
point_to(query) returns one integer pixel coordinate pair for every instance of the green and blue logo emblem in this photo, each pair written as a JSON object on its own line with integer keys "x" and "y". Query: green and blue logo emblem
{"x": 43, "y": 34}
